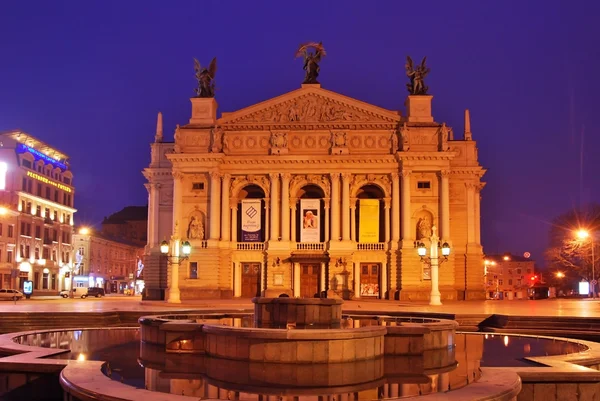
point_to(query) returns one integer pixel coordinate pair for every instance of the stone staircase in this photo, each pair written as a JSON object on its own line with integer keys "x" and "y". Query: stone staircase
{"x": 584, "y": 328}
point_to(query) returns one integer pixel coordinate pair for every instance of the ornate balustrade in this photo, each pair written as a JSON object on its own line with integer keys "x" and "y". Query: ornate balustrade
{"x": 250, "y": 246}
{"x": 310, "y": 246}
{"x": 370, "y": 246}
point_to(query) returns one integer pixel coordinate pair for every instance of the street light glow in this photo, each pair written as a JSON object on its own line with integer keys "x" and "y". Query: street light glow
{"x": 84, "y": 231}
{"x": 560, "y": 274}
{"x": 583, "y": 234}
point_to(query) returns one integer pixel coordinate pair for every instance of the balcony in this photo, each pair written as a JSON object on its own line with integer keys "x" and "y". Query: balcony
{"x": 310, "y": 246}
{"x": 250, "y": 246}
{"x": 370, "y": 246}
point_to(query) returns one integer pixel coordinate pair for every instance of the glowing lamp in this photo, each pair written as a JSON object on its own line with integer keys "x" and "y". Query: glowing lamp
{"x": 164, "y": 247}
{"x": 186, "y": 248}
{"x": 84, "y": 231}
{"x": 421, "y": 250}
{"x": 583, "y": 234}
{"x": 445, "y": 250}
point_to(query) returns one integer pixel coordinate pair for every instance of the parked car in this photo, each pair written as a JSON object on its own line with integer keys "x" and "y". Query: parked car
{"x": 77, "y": 292}
{"x": 8, "y": 294}
{"x": 95, "y": 292}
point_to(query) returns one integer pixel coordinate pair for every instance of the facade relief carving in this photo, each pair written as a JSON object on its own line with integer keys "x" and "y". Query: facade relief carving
{"x": 195, "y": 227}
{"x": 405, "y": 138}
{"x": 306, "y": 109}
{"x": 424, "y": 225}
{"x": 279, "y": 143}
{"x": 241, "y": 181}
{"x": 316, "y": 179}
{"x": 216, "y": 145}
{"x": 166, "y": 196}
{"x": 339, "y": 143}
{"x": 379, "y": 180}
{"x": 444, "y": 134}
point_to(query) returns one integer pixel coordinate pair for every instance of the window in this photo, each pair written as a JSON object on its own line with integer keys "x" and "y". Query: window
{"x": 54, "y": 281}
{"x": 36, "y": 280}
{"x": 37, "y": 253}
{"x": 11, "y": 230}
{"x": 500, "y": 282}
{"x": 24, "y": 184}
{"x": 27, "y": 251}
{"x": 46, "y": 253}
{"x": 423, "y": 184}
{"x": 26, "y": 163}
{"x": 518, "y": 271}
{"x": 28, "y": 207}
{"x": 56, "y": 195}
{"x": 38, "y": 232}
{"x": 29, "y": 186}
{"x": 55, "y": 215}
{"x": 47, "y": 192}
{"x": 9, "y": 256}
{"x": 194, "y": 270}
{"x": 67, "y": 180}
{"x": 198, "y": 185}
{"x": 0, "y": 228}
{"x": 39, "y": 189}
{"x": 47, "y": 213}
{"x": 45, "y": 281}
{"x": 518, "y": 281}
{"x": 510, "y": 281}
{"x": 528, "y": 271}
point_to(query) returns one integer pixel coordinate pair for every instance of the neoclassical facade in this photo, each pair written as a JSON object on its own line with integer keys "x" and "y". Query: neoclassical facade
{"x": 312, "y": 192}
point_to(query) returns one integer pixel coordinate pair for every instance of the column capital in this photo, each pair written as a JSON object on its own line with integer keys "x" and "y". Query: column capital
{"x": 346, "y": 176}
{"x": 479, "y": 186}
{"x": 334, "y": 176}
{"x": 443, "y": 173}
{"x": 273, "y": 176}
{"x": 233, "y": 203}
{"x": 326, "y": 201}
{"x": 286, "y": 177}
{"x": 214, "y": 174}
{"x": 177, "y": 175}
{"x": 395, "y": 175}
{"x": 405, "y": 173}
{"x": 387, "y": 202}
{"x": 471, "y": 185}
{"x": 226, "y": 177}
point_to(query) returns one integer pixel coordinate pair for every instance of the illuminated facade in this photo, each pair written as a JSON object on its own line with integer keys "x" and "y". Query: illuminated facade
{"x": 36, "y": 223}
{"x": 508, "y": 276}
{"x": 106, "y": 262}
{"x": 313, "y": 191}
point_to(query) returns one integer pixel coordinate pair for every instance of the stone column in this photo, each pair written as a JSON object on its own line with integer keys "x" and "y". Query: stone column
{"x": 234, "y": 224}
{"x": 323, "y": 280}
{"x": 384, "y": 281}
{"x": 478, "y": 189}
{"x": 387, "y": 220}
{"x": 353, "y": 220}
{"x": 215, "y": 204}
{"x": 356, "y": 280}
{"x": 274, "y": 206}
{"x": 346, "y": 177}
{"x": 445, "y": 205}
{"x": 153, "y": 205}
{"x": 177, "y": 197}
{"x": 395, "y": 207}
{"x": 327, "y": 225}
{"x": 335, "y": 206}
{"x": 293, "y": 225}
{"x": 285, "y": 206}
{"x": 407, "y": 233}
{"x": 296, "y": 279}
{"x": 267, "y": 220}
{"x": 470, "y": 213}
{"x": 226, "y": 214}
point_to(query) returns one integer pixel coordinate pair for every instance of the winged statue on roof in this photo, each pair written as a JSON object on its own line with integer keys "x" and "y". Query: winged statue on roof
{"x": 312, "y": 53}
{"x": 206, "y": 78}
{"x": 417, "y": 75}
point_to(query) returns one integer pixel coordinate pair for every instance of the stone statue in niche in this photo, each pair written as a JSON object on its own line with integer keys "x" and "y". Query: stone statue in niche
{"x": 423, "y": 228}
{"x": 404, "y": 136}
{"x": 444, "y": 134}
{"x": 394, "y": 142}
{"x": 217, "y": 140}
{"x": 195, "y": 228}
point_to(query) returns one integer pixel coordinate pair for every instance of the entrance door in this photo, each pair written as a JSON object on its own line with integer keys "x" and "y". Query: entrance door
{"x": 309, "y": 280}
{"x": 250, "y": 280}
{"x": 369, "y": 279}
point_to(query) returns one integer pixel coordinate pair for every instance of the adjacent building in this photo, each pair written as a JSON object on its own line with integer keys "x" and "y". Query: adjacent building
{"x": 107, "y": 262}
{"x": 312, "y": 192}
{"x": 509, "y": 276}
{"x": 129, "y": 224}
{"x": 36, "y": 214}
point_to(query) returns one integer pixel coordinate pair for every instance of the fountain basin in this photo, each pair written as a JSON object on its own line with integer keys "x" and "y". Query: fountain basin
{"x": 300, "y": 312}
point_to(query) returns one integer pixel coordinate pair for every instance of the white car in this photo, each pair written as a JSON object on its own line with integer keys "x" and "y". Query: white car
{"x": 8, "y": 294}
{"x": 77, "y": 292}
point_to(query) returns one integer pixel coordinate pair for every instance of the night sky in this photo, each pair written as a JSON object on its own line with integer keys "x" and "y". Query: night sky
{"x": 89, "y": 77}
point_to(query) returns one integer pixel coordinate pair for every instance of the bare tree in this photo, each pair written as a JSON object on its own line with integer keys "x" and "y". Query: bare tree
{"x": 569, "y": 252}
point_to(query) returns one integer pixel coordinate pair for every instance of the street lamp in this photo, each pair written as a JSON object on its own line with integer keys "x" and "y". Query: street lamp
{"x": 583, "y": 235}
{"x": 434, "y": 261}
{"x": 179, "y": 253}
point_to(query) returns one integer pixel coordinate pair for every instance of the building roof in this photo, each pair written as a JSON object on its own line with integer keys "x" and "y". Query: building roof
{"x": 512, "y": 258}
{"x": 34, "y": 143}
{"x": 111, "y": 238}
{"x": 128, "y": 213}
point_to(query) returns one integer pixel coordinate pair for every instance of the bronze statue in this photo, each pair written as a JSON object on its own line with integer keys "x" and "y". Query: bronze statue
{"x": 416, "y": 76}
{"x": 206, "y": 78}
{"x": 311, "y": 60}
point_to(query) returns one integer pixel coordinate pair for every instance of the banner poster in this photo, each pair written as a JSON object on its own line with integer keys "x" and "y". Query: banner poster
{"x": 368, "y": 225}
{"x": 310, "y": 231}
{"x": 251, "y": 220}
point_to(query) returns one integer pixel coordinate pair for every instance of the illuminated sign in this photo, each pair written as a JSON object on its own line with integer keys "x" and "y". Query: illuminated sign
{"x": 27, "y": 287}
{"x": 3, "y": 168}
{"x": 47, "y": 181}
{"x": 40, "y": 155}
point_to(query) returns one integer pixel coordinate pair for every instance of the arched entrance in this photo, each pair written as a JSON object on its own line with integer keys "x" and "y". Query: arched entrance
{"x": 310, "y": 234}
{"x": 250, "y": 228}
{"x": 370, "y": 228}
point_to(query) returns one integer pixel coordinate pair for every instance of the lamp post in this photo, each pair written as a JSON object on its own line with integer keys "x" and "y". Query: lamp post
{"x": 584, "y": 234}
{"x": 434, "y": 262}
{"x": 179, "y": 253}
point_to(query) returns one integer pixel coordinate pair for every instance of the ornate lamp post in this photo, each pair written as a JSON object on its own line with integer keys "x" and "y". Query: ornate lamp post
{"x": 434, "y": 262}
{"x": 179, "y": 253}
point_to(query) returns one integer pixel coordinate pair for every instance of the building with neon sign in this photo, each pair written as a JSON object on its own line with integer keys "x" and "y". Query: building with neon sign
{"x": 36, "y": 214}
{"x": 313, "y": 192}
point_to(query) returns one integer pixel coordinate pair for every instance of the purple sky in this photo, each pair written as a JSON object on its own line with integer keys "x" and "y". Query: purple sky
{"x": 89, "y": 77}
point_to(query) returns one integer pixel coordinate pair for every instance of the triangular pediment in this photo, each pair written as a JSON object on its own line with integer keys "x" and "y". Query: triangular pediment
{"x": 310, "y": 105}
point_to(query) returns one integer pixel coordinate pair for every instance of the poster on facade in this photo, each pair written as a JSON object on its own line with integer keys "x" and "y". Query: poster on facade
{"x": 310, "y": 231}
{"x": 369, "y": 290}
{"x": 368, "y": 226}
{"x": 251, "y": 220}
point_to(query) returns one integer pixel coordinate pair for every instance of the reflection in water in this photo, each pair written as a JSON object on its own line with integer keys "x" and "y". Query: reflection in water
{"x": 150, "y": 367}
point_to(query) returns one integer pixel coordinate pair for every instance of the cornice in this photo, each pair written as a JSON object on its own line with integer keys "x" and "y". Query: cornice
{"x": 263, "y": 126}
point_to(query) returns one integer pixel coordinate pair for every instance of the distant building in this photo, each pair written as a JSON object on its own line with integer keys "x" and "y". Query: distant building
{"x": 129, "y": 224}
{"x": 36, "y": 214}
{"x": 107, "y": 262}
{"x": 509, "y": 276}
